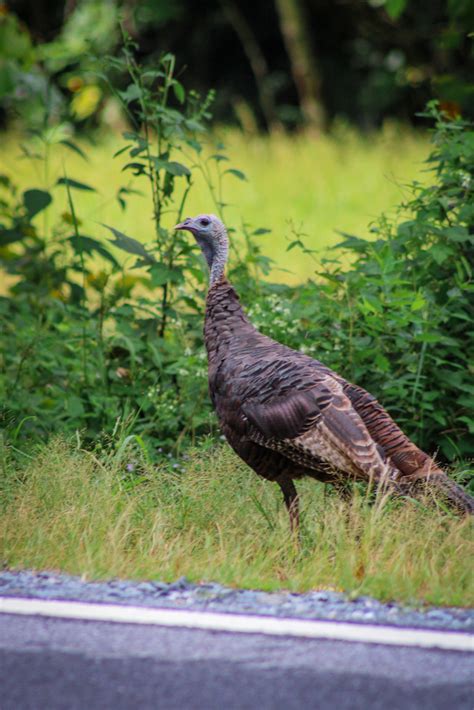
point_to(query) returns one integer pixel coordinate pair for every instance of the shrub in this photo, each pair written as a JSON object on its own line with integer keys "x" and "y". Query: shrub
{"x": 87, "y": 349}
{"x": 399, "y": 320}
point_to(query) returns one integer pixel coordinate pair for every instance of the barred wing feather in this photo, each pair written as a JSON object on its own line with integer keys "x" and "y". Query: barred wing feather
{"x": 318, "y": 425}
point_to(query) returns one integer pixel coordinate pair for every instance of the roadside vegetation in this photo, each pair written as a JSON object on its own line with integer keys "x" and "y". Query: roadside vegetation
{"x": 106, "y": 513}
{"x": 103, "y": 377}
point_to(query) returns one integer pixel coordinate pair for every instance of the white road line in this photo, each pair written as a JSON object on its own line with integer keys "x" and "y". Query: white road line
{"x": 239, "y": 623}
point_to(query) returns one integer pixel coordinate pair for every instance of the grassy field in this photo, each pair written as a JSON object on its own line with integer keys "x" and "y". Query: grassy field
{"x": 338, "y": 182}
{"x": 83, "y": 513}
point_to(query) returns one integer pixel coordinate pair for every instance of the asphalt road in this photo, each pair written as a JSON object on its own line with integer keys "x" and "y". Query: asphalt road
{"x": 57, "y": 664}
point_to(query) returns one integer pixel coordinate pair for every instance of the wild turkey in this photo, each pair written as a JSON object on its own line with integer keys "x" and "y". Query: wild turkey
{"x": 287, "y": 415}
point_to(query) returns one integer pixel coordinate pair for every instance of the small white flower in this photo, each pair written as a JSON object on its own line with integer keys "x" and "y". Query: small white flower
{"x": 465, "y": 180}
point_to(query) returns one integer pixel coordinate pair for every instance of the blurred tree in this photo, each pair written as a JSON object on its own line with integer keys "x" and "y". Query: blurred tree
{"x": 257, "y": 61}
{"x": 303, "y": 64}
{"x": 287, "y": 61}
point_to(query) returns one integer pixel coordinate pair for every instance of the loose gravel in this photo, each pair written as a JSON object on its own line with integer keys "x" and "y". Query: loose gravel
{"x": 182, "y": 594}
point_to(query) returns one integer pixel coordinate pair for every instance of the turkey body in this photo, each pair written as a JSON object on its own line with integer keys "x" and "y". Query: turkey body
{"x": 288, "y": 415}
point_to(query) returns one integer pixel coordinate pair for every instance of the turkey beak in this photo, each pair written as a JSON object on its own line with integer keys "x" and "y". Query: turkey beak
{"x": 184, "y": 225}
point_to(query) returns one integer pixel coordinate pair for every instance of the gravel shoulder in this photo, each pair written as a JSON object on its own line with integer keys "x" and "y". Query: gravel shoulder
{"x": 182, "y": 594}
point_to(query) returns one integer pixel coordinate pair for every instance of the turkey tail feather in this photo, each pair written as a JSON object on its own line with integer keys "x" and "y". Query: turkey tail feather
{"x": 441, "y": 485}
{"x": 455, "y": 495}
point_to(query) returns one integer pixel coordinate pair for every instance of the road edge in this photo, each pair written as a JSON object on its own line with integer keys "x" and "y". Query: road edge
{"x": 241, "y": 623}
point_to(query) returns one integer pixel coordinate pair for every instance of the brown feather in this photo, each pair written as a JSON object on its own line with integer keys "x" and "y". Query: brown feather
{"x": 287, "y": 415}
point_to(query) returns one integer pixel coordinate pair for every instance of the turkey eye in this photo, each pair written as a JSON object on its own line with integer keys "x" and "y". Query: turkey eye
{"x": 205, "y": 222}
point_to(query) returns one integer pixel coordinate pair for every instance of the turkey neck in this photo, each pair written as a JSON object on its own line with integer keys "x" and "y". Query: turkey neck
{"x": 215, "y": 252}
{"x": 225, "y": 319}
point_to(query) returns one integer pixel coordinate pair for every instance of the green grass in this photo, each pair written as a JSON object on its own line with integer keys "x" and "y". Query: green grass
{"x": 78, "y": 512}
{"x": 340, "y": 181}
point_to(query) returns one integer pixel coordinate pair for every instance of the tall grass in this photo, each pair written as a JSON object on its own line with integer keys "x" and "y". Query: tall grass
{"x": 339, "y": 181}
{"x": 83, "y": 513}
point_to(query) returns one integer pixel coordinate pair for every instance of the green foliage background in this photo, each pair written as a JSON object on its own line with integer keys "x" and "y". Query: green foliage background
{"x": 97, "y": 352}
{"x": 370, "y": 59}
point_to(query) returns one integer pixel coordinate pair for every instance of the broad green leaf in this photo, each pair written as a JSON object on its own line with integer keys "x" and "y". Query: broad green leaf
{"x": 172, "y": 167}
{"x": 351, "y": 242}
{"x": 138, "y": 168}
{"x": 418, "y": 302}
{"x": 440, "y": 252}
{"x": 131, "y": 93}
{"x": 153, "y": 74}
{"x": 161, "y": 274}
{"x": 75, "y": 148}
{"x": 237, "y": 173}
{"x": 395, "y": 8}
{"x": 194, "y": 144}
{"x": 194, "y": 125}
{"x": 120, "y": 151}
{"x": 428, "y": 338}
{"x": 370, "y": 304}
{"x": 88, "y": 245}
{"x": 457, "y": 234}
{"x": 75, "y": 184}
{"x": 36, "y": 201}
{"x": 381, "y": 362}
{"x": 138, "y": 149}
{"x": 130, "y": 245}
{"x": 218, "y": 157}
{"x": 295, "y": 243}
{"x": 179, "y": 91}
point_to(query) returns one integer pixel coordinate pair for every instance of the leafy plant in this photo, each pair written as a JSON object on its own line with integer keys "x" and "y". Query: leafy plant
{"x": 161, "y": 130}
{"x": 83, "y": 348}
{"x": 399, "y": 320}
